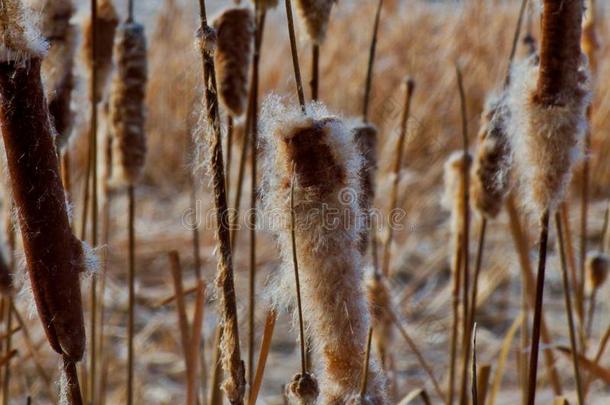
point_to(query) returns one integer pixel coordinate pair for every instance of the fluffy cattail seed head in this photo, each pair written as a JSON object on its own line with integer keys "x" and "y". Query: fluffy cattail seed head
{"x": 492, "y": 164}
{"x": 127, "y": 108}
{"x": 365, "y": 137}
{"x": 107, "y": 22}
{"x": 316, "y": 153}
{"x": 315, "y": 15}
{"x": 57, "y": 67}
{"x": 19, "y": 39}
{"x": 234, "y": 39}
{"x": 598, "y": 265}
{"x": 303, "y": 389}
{"x": 548, "y": 104}
{"x": 54, "y": 256}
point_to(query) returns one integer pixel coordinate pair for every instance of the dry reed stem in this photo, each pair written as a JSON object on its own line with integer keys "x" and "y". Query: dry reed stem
{"x": 380, "y": 301}
{"x": 295, "y": 54}
{"x": 417, "y": 393}
{"x": 504, "y": 352}
{"x": 215, "y": 395}
{"x": 258, "y": 42}
{"x": 54, "y": 256}
{"x": 234, "y": 384}
{"x": 107, "y": 21}
{"x": 568, "y": 304}
{"x": 72, "y": 386}
{"x": 131, "y": 275}
{"x": 8, "y": 356}
{"x": 521, "y": 246}
{"x": 420, "y": 358}
{"x": 195, "y": 346}
{"x": 235, "y": 29}
{"x": 371, "y": 63}
{"x": 365, "y": 137}
{"x": 315, "y": 72}
{"x": 185, "y": 335}
{"x": 365, "y": 365}
{"x": 409, "y": 89}
{"x": 262, "y": 358}
{"x": 483, "y": 383}
{"x": 127, "y": 110}
{"x": 600, "y": 352}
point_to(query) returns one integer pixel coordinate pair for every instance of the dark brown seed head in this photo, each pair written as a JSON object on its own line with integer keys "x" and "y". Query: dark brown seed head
{"x": 127, "y": 108}
{"x": 598, "y": 265}
{"x": 303, "y": 389}
{"x": 234, "y": 40}
{"x": 315, "y": 15}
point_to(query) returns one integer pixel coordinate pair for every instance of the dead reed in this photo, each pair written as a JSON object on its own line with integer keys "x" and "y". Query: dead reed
{"x": 234, "y": 384}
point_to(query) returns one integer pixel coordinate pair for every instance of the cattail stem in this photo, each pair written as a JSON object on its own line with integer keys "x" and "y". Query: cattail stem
{"x": 600, "y": 352}
{"x": 74, "y": 394}
{"x": 295, "y": 263}
{"x": 365, "y": 364}
{"x": 315, "y": 71}
{"x": 466, "y": 238}
{"x": 130, "y": 4}
{"x": 603, "y": 241}
{"x": 7, "y": 349}
{"x": 92, "y": 172}
{"x": 475, "y": 395}
{"x": 521, "y": 245}
{"x": 568, "y": 303}
{"x": 410, "y": 86}
{"x": 215, "y": 396}
{"x": 457, "y": 275}
{"x": 473, "y": 299}
{"x": 533, "y": 363}
{"x": 230, "y": 129}
{"x": 232, "y": 364}
{"x": 131, "y": 274}
{"x": 591, "y": 312}
{"x": 262, "y": 358}
{"x": 259, "y": 30}
{"x": 295, "y": 54}
{"x": 513, "y": 49}
{"x": 369, "y": 71}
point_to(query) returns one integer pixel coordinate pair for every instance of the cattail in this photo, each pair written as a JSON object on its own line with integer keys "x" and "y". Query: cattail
{"x": 365, "y": 137}
{"x": 54, "y": 256}
{"x": 234, "y": 40}
{"x": 380, "y": 301}
{"x": 57, "y": 67}
{"x": 318, "y": 152}
{"x": 548, "y": 104}
{"x": 315, "y": 15}
{"x": 303, "y": 390}
{"x": 266, "y": 4}
{"x": 492, "y": 164}
{"x": 107, "y": 22}
{"x": 127, "y": 110}
{"x": 597, "y": 269}
{"x": 453, "y": 199}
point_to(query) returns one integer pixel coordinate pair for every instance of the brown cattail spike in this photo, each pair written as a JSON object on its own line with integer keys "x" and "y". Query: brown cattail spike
{"x": 454, "y": 188}
{"x": 235, "y": 35}
{"x": 59, "y": 63}
{"x": 107, "y": 22}
{"x": 598, "y": 265}
{"x": 303, "y": 390}
{"x": 365, "y": 137}
{"x": 127, "y": 108}
{"x": 315, "y": 15}
{"x": 492, "y": 164}
{"x": 560, "y": 55}
{"x": 547, "y": 108}
{"x": 54, "y": 256}
{"x": 316, "y": 153}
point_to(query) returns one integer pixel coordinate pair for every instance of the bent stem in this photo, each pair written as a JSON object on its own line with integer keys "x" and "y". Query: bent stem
{"x": 369, "y": 72}
{"x": 533, "y": 364}
{"x": 296, "y": 279}
{"x": 295, "y": 55}
{"x": 568, "y": 303}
